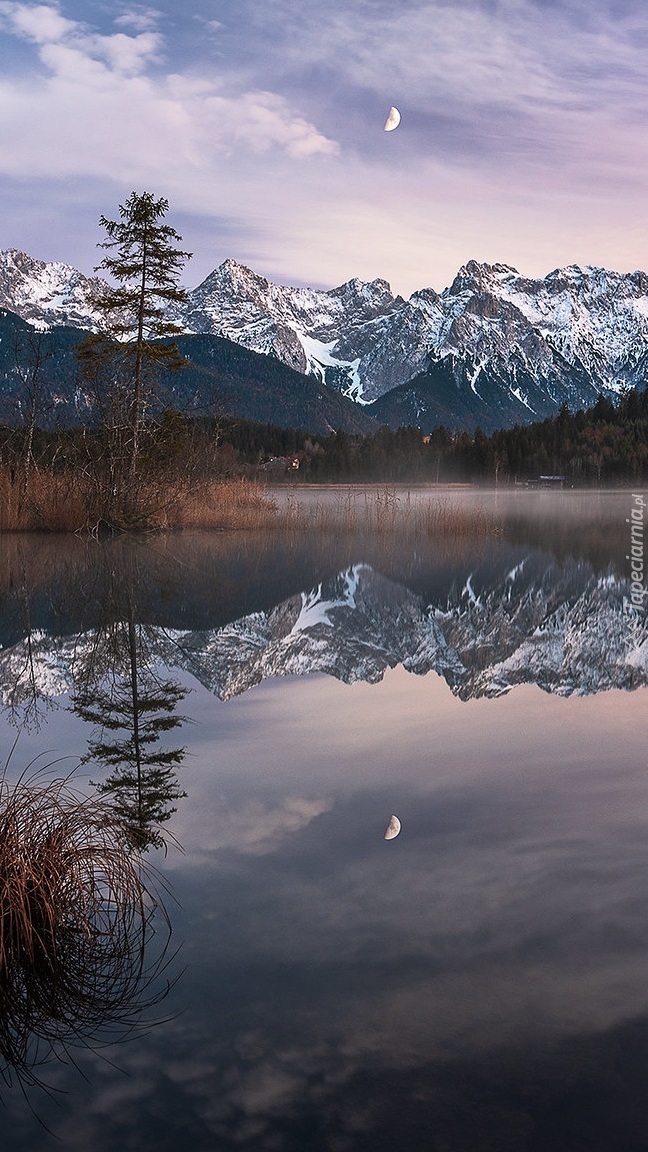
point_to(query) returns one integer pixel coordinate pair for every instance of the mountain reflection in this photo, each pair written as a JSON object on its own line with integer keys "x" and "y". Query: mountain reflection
{"x": 484, "y": 976}
{"x": 112, "y": 676}
{"x": 557, "y": 625}
{"x": 485, "y": 622}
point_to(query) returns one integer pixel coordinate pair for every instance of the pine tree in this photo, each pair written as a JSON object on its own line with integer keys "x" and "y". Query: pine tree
{"x": 145, "y": 265}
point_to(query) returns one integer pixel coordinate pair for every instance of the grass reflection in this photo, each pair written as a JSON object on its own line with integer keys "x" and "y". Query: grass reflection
{"x": 79, "y": 912}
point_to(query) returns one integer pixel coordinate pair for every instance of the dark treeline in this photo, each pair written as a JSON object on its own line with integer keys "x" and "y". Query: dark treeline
{"x": 604, "y": 444}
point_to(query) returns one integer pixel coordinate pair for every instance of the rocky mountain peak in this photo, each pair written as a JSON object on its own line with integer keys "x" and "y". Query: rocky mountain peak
{"x": 234, "y": 279}
{"x": 475, "y": 276}
{"x": 46, "y": 293}
{"x": 365, "y": 300}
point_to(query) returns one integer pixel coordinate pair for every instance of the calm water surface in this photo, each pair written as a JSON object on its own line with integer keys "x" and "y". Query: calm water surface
{"x": 478, "y": 983}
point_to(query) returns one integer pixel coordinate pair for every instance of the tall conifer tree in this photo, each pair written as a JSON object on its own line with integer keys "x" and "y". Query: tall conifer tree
{"x": 145, "y": 264}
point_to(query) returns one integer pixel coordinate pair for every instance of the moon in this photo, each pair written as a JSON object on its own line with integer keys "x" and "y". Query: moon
{"x": 393, "y": 828}
{"x": 393, "y": 120}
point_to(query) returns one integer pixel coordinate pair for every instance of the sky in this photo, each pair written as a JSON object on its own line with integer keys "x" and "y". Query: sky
{"x": 522, "y": 139}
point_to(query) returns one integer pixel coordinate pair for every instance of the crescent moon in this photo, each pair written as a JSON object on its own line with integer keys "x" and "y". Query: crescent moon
{"x": 393, "y": 120}
{"x": 393, "y": 828}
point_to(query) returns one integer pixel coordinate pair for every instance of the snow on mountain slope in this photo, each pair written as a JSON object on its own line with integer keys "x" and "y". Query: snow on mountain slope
{"x": 583, "y": 320}
{"x": 592, "y": 318}
{"x": 301, "y": 326}
{"x": 563, "y": 628}
{"x": 354, "y": 627}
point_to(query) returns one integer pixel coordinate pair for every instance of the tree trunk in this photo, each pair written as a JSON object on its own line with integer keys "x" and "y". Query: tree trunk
{"x": 139, "y": 364}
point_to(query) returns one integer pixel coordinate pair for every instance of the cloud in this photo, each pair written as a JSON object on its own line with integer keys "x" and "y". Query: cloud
{"x": 128, "y": 54}
{"x": 66, "y": 44}
{"x": 511, "y": 83}
{"x": 522, "y": 132}
{"x": 77, "y": 117}
{"x": 41, "y": 23}
{"x": 262, "y": 120}
{"x": 215, "y": 25}
{"x": 140, "y": 18}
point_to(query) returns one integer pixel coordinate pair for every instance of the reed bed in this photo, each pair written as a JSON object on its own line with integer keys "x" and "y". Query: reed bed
{"x": 78, "y": 912}
{"x": 56, "y": 502}
{"x": 224, "y": 504}
{"x": 386, "y": 512}
{"x": 381, "y": 511}
{"x": 73, "y": 502}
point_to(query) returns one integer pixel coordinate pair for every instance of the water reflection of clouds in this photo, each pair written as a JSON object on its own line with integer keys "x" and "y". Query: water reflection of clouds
{"x": 323, "y": 962}
{"x": 518, "y": 879}
{"x": 257, "y": 828}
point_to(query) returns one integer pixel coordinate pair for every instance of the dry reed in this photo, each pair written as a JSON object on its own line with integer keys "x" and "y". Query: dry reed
{"x": 57, "y": 502}
{"x": 382, "y": 511}
{"x": 72, "y": 502}
{"x": 77, "y": 914}
{"x": 224, "y": 504}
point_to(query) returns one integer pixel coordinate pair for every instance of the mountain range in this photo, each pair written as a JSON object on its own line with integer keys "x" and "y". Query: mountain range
{"x": 494, "y": 348}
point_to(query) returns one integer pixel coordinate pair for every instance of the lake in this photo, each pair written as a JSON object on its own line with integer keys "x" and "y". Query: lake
{"x": 256, "y": 707}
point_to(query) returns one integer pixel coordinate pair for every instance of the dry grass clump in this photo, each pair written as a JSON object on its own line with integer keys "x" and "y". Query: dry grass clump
{"x": 77, "y": 915}
{"x": 57, "y": 502}
{"x": 230, "y": 503}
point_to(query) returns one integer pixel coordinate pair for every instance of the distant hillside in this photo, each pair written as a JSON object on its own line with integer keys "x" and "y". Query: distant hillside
{"x": 221, "y": 378}
{"x": 449, "y": 393}
{"x": 253, "y": 386}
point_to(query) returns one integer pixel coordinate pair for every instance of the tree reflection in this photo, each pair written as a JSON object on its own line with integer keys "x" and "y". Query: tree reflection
{"x": 132, "y": 707}
{"x": 83, "y": 931}
{"x": 101, "y": 651}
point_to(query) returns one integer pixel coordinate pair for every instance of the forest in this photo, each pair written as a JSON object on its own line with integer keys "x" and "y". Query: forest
{"x": 606, "y": 444}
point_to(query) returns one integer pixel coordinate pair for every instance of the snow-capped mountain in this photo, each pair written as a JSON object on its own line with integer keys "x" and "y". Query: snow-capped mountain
{"x": 47, "y": 294}
{"x": 569, "y": 336}
{"x": 495, "y": 347}
{"x": 563, "y": 628}
{"x": 316, "y": 332}
{"x": 559, "y": 626}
